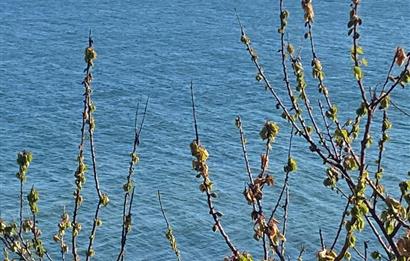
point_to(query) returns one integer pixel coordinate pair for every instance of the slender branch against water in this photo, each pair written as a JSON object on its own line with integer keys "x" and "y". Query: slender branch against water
{"x": 389, "y": 72}
{"x": 102, "y": 197}
{"x": 322, "y": 87}
{"x": 400, "y": 109}
{"x": 81, "y": 168}
{"x": 287, "y": 195}
{"x": 380, "y": 155}
{"x": 21, "y": 208}
{"x": 129, "y": 186}
{"x": 337, "y": 161}
{"x": 393, "y": 86}
{"x": 341, "y": 224}
{"x": 359, "y": 253}
{"x": 355, "y": 54}
{"x": 306, "y": 134}
{"x": 378, "y": 236}
{"x": 200, "y": 165}
{"x": 285, "y": 219}
{"x": 262, "y": 77}
{"x": 194, "y": 113}
{"x": 257, "y": 206}
{"x": 299, "y": 74}
{"x": 169, "y": 233}
{"x": 322, "y": 242}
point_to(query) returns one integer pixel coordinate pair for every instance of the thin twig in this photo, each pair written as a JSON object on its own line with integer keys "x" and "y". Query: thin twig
{"x": 341, "y": 224}
{"x": 389, "y": 239}
{"x": 285, "y": 183}
{"x": 194, "y": 114}
{"x": 285, "y": 219}
{"x": 258, "y": 204}
{"x": 324, "y": 89}
{"x": 215, "y": 214}
{"x": 126, "y": 217}
{"x": 380, "y": 155}
{"x": 355, "y": 54}
{"x": 21, "y": 207}
{"x": 162, "y": 209}
{"x": 280, "y": 104}
{"x": 359, "y": 253}
{"x": 80, "y": 157}
{"x": 91, "y": 126}
{"x": 394, "y": 85}
{"x": 341, "y": 192}
{"x": 169, "y": 234}
{"x": 389, "y": 72}
{"x": 378, "y": 236}
{"x": 322, "y": 244}
{"x": 309, "y": 109}
{"x": 327, "y": 127}
{"x": 302, "y": 250}
{"x": 399, "y": 109}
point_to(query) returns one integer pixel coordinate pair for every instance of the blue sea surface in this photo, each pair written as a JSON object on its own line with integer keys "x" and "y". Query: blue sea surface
{"x": 155, "y": 48}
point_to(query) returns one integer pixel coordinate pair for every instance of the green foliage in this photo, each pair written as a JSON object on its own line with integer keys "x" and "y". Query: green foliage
{"x": 358, "y": 73}
{"x": 90, "y": 55}
{"x": 344, "y": 160}
{"x": 291, "y": 166}
{"x": 245, "y": 257}
{"x": 33, "y": 198}
{"x": 24, "y": 159}
{"x": 283, "y": 21}
{"x": 331, "y": 179}
{"x": 104, "y": 200}
{"x": 269, "y": 131}
{"x": 326, "y": 255}
{"x": 341, "y": 136}
{"x": 317, "y": 71}
{"x": 332, "y": 113}
{"x": 385, "y": 102}
{"x": 350, "y": 163}
{"x": 299, "y": 72}
{"x": 362, "y": 110}
{"x": 172, "y": 241}
{"x": 376, "y": 255}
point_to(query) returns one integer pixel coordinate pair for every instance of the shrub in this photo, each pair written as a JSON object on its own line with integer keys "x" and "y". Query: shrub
{"x": 342, "y": 146}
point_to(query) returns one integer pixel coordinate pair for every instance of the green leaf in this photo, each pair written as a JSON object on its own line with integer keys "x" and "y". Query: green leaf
{"x": 376, "y": 255}
{"x": 359, "y": 50}
{"x": 379, "y": 175}
{"x": 348, "y": 256}
{"x": 385, "y": 102}
{"x": 292, "y": 165}
{"x": 352, "y": 241}
{"x": 350, "y": 163}
{"x": 404, "y": 186}
{"x": 358, "y": 74}
{"x": 390, "y": 227}
{"x": 362, "y": 110}
{"x": 269, "y": 131}
{"x": 360, "y": 224}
